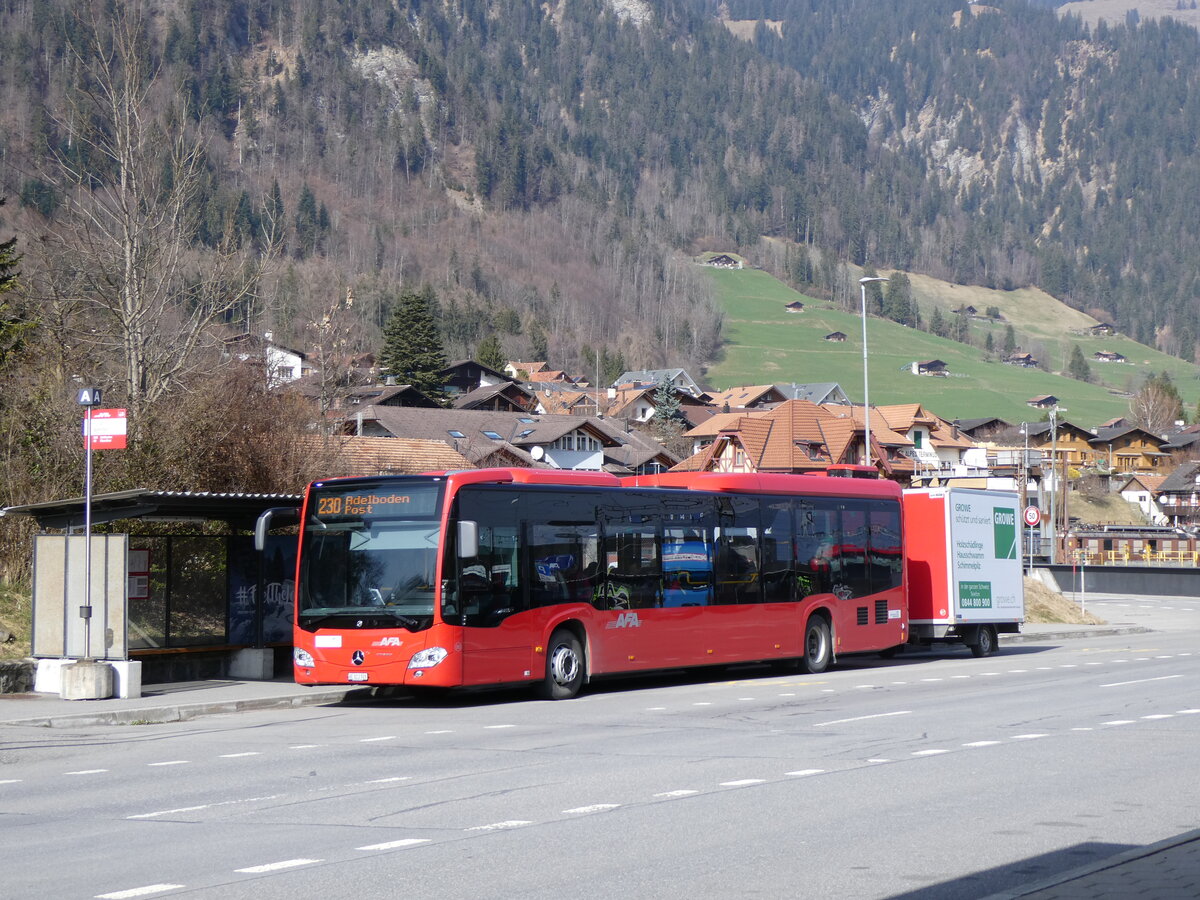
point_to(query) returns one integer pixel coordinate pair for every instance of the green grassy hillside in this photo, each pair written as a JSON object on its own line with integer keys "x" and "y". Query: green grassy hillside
{"x": 765, "y": 344}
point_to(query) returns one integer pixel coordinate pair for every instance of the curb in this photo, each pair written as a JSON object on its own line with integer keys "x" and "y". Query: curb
{"x": 1101, "y": 865}
{"x": 182, "y": 712}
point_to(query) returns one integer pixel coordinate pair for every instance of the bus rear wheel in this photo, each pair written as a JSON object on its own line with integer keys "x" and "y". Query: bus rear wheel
{"x": 818, "y": 649}
{"x": 564, "y": 667}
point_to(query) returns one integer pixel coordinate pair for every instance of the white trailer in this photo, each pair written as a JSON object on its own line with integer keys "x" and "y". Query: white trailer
{"x": 963, "y": 566}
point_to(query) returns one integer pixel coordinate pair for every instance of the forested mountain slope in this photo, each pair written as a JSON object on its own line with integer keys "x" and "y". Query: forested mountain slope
{"x": 548, "y": 167}
{"x": 1070, "y": 151}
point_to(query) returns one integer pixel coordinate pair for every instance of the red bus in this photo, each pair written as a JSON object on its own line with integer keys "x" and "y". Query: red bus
{"x": 502, "y": 576}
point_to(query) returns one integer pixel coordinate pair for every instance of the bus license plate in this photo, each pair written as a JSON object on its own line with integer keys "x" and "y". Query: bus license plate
{"x": 356, "y": 676}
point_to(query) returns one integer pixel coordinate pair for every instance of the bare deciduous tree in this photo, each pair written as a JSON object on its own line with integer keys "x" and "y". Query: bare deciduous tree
{"x": 122, "y": 257}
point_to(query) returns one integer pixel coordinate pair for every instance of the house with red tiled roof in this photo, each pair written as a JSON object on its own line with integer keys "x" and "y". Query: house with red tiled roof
{"x": 752, "y": 397}
{"x": 796, "y": 436}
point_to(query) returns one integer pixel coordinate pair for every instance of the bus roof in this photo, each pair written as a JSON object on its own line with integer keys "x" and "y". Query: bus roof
{"x": 769, "y": 483}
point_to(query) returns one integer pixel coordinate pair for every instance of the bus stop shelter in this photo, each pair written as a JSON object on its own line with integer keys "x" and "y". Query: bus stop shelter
{"x": 178, "y": 589}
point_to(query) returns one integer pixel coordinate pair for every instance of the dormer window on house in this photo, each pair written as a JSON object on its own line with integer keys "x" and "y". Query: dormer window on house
{"x": 576, "y": 441}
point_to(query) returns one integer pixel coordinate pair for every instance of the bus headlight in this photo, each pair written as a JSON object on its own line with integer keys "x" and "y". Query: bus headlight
{"x": 302, "y": 658}
{"x": 427, "y": 658}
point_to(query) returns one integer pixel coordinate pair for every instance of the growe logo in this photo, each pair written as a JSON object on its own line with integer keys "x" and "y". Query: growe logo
{"x": 626, "y": 620}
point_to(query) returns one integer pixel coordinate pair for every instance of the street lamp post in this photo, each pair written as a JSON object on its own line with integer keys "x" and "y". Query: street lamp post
{"x": 1053, "y": 486}
{"x": 862, "y": 286}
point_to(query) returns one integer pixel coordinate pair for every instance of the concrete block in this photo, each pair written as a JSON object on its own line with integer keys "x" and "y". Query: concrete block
{"x": 48, "y": 678}
{"x": 87, "y": 679}
{"x": 252, "y": 664}
{"x": 127, "y": 678}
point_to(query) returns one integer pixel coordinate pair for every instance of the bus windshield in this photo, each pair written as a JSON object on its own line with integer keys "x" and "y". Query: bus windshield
{"x": 370, "y": 556}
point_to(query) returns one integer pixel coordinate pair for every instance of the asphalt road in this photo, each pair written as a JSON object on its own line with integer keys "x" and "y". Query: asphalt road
{"x": 931, "y": 776}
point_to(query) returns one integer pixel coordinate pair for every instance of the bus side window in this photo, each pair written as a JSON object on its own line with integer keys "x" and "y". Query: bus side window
{"x": 634, "y": 575}
{"x": 816, "y": 531}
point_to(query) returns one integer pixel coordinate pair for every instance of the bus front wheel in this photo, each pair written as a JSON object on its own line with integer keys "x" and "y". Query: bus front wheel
{"x": 564, "y": 667}
{"x": 818, "y": 646}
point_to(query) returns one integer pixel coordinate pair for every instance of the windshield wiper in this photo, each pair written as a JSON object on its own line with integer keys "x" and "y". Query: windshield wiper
{"x": 369, "y": 613}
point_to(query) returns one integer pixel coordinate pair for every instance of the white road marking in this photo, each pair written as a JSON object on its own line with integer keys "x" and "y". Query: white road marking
{"x": 1141, "y": 681}
{"x": 1068, "y": 666}
{"x": 171, "y": 762}
{"x": 500, "y": 826}
{"x": 274, "y": 867}
{"x": 87, "y": 772}
{"x": 9, "y": 780}
{"x": 1160, "y": 716}
{"x": 1164, "y": 657}
{"x": 1081, "y": 729}
{"x": 386, "y": 737}
{"x": 655, "y": 708}
{"x": 745, "y": 698}
{"x": 595, "y": 807}
{"x": 499, "y": 726}
{"x": 899, "y": 682}
{"x": 1187, "y": 712}
{"x": 304, "y": 746}
{"x": 676, "y": 793}
{"x": 139, "y": 892}
{"x": 238, "y": 755}
{"x": 981, "y": 744}
{"x": 902, "y": 712}
{"x": 803, "y": 772}
{"x": 1118, "y": 722}
{"x": 1026, "y": 737}
{"x": 928, "y": 752}
{"x": 395, "y": 845}
{"x": 878, "y": 760}
{"x": 168, "y": 812}
{"x": 389, "y": 780}
{"x": 864, "y": 686}
{"x": 981, "y": 674}
{"x": 442, "y": 731}
{"x": 702, "y": 703}
{"x": 183, "y": 809}
{"x": 931, "y": 679}
{"x": 960, "y": 676}
{"x": 742, "y": 782}
{"x": 1017, "y": 671}
{"x": 788, "y": 695}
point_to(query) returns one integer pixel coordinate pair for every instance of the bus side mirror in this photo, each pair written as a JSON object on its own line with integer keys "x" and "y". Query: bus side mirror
{"x": 468, "y": 539}
{"x": 288, "y": 514}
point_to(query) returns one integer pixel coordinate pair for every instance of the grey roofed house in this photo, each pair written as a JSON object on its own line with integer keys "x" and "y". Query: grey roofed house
{"x": 466, "y": 375}
{"x": 489, "y": 438}
{"x": 508, "y": 396}
{"x": 1185, "y": 438}
{"x": 679, "y": 378}
{"x": 818, "y": 392}
{"x": 983, "y": 428}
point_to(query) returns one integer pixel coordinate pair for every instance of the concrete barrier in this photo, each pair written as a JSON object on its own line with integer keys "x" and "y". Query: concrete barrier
{"x": 1150, "y": 581}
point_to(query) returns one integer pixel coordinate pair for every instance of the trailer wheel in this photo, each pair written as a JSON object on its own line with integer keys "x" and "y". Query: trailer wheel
{"x": 986, "y": 643}
{"x": 818, "y": 650}
{"x": 564, "y": 667}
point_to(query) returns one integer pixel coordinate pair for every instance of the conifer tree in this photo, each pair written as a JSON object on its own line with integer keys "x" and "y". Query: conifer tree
{"x": 412, "y": 347}
{"x": 490, "y": 353}
{"x": 1078, "y": 366}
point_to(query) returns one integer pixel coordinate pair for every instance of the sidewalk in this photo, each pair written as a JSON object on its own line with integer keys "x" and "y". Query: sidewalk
{"x": 175, "y": 702}
{"x": 1168, "y": 870}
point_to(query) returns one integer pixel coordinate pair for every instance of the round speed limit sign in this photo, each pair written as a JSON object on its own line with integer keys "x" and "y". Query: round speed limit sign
{"x": 1033, "y": 516}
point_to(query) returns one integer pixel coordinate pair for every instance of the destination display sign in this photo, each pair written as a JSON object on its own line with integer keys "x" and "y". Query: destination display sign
{"x": 415, "y": 501}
